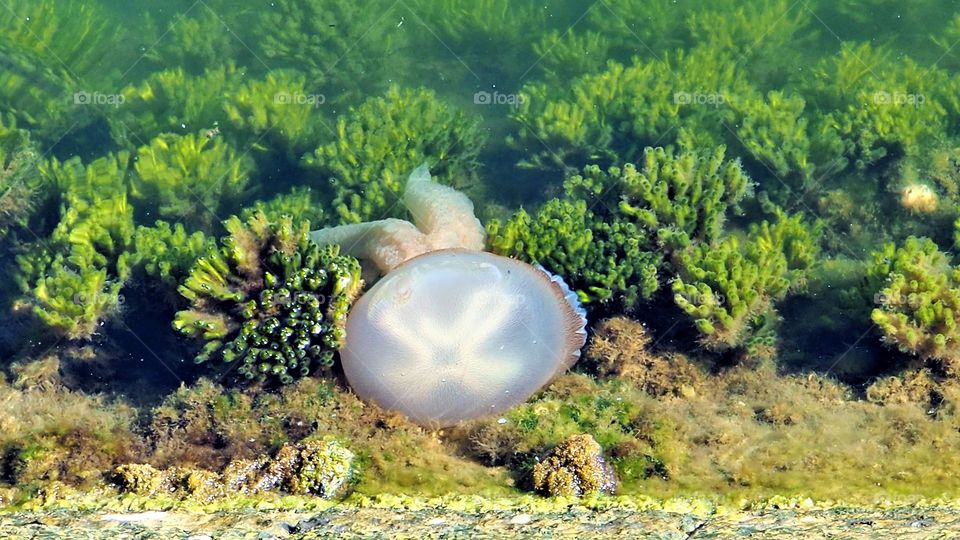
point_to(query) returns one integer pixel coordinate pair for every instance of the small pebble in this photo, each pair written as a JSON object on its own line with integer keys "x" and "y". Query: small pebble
{"x": 520, "y": 519}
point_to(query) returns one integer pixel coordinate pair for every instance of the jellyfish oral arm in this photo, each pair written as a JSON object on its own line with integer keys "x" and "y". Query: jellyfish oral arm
{"x": 444, "y": 219}
{"x": 387, "y": 243}
{"x": 445, "y": 215}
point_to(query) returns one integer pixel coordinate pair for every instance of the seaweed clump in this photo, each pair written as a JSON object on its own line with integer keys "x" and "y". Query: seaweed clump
{"x": 382, "y": 140}
{"x": 72, "y": 279}
{"x": 574, "y": 468}
{"x": 620, "y": 348}
{"x": 729, "y": 288}
{"x": 189, "y": 177}
{"x": 919, "y": 300}
{"x": 51, "y": 434}
{"x": 17, "y": 168}
{"x": 269, "y": 299}
{"x": 612, "y": 249}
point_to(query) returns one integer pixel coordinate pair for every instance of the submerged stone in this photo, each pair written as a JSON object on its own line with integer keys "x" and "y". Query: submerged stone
{"x": 574, "y": 468}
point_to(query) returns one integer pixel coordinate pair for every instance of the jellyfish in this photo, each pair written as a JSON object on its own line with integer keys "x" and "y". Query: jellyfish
{"x": 450, "y": 332}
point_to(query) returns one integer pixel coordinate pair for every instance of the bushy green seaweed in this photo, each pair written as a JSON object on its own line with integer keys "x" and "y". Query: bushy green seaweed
{"x": 382, "y": 140}
{"x": 73, "y": 283}
{"x": 172, "y": 101}
{"x": 918, "y": 301}
{"x": 602, "y": 261}
{"x": 299, "y": 202}
{"x": 167, "y": 252}
{"x": 269, "y": 299}
{"x": 882, "y": 106}
{"x": 729, "y": 288}
{"x": 339, "y": 45}
{"x": 612, "y": 248}
{"x": 191, "y": 178}
{"x": 609, "y": 117}
{"x": 276, "y": 114}
{"x": 52, "y": 53}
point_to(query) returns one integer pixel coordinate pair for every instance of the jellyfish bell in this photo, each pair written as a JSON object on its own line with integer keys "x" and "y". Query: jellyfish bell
{"x": 450, "y": 332}
{"x": 455, "y": 334}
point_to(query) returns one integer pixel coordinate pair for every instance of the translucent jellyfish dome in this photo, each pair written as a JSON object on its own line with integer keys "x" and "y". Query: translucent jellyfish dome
{"x": 456, "y": 334}
{"x": 450, "y": 333}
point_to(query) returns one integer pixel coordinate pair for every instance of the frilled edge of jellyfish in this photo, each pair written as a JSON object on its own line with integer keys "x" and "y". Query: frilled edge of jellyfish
{"x": 577, "y": 316}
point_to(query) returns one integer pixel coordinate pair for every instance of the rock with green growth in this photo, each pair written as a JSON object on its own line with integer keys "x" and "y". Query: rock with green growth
{"x": 190, "y": 178}
{"x": 382, "y": 140}
{"x": 324, "y": 468}
{"x": 148, "y": 481}
{"x": 575, "y": 468}
{"x": 919, "y": 301}
{"x": 269, "y": 299}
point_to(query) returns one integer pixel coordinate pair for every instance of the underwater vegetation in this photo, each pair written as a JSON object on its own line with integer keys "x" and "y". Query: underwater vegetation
{"x": 757, "y": 206}
{"x": 918, "y": 300}
{"x": 385, "y": 138}
{"x": 269, "y": 299}
{"x": 190, "y": 178}
{"x": 17, "y": 178}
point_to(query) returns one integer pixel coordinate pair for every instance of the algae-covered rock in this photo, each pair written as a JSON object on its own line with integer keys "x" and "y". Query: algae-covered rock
{"x": 325, "y": 468}
{"x": 574, "y": 468}
{"x": 142, "y": 479}
{"x": 148, "y": 481}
